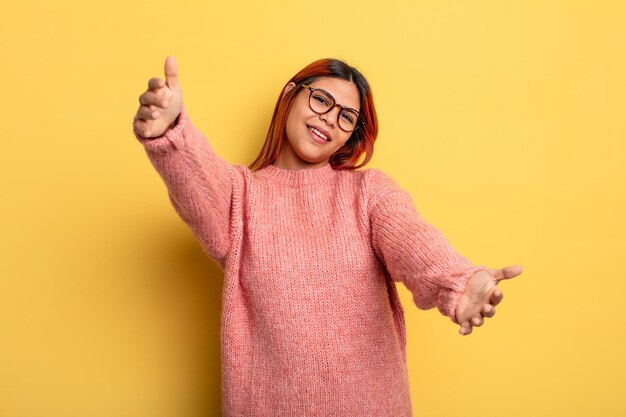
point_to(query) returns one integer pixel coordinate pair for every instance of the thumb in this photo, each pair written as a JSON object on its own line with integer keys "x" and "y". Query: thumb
{"x": 506, "y": 272}
{"x": 171, "y": 72}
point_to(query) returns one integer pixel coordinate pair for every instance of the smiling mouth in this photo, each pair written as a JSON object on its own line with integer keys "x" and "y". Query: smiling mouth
{"x": 318, "y": 133}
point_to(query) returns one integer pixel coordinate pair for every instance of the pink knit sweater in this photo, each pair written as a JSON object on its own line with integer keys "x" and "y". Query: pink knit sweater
{"x": 311, "y": 321}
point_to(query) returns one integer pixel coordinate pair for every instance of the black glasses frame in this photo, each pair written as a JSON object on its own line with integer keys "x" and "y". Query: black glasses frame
{"x": 359, "y": 121}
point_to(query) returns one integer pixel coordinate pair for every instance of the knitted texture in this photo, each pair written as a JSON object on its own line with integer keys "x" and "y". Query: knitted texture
{"x": 312, "y": 324}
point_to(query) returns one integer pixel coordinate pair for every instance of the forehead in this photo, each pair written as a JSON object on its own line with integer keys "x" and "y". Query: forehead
{"x": 345, "y": 92}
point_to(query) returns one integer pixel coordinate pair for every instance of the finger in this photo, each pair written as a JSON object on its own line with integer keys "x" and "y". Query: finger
{"x": 148, "y": 113}
{"x": 466, "y": 328}
{"x": 496, "y": 296}
{"x": 488, "y": 310}
{"x": 171, "y": 71}
{"x": 477, "y": 321}
{"x": 150, "y": 98}
{"x": 506, "y": 272}
{"x": 141, "y": 129}
{"x": 155, "y": 83}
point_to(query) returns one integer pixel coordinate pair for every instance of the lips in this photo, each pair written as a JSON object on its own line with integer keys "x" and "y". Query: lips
{"x": 317, "y": 131}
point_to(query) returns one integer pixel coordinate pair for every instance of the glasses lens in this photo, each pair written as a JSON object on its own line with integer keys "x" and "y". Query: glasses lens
{"x": 347, "y": 120}
{"x": 321, "y": 102}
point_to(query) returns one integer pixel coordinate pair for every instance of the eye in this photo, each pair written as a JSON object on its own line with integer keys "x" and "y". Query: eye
{"x": 348, "y": 117}
{"x": 320, "y": 99}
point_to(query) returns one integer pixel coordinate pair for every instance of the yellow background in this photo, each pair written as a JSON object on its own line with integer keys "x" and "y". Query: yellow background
{"x": 504, "y": 119}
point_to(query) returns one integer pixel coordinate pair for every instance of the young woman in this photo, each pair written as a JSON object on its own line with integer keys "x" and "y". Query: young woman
{"x": 311, "y": 249}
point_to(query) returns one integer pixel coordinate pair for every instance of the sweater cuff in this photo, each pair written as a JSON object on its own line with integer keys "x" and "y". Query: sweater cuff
{"x": 172, "y": 138}
{"x": 453, "y": 288}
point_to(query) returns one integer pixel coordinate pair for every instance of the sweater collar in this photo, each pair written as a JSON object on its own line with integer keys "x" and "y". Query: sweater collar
{"x": 298, "y": 177}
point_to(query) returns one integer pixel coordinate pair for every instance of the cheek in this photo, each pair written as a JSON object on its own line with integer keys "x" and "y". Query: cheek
{"x": 296, "y": 120}
{"x": 344, "y": 138}
{"x": 293, "y": 115}
{"x": 291, "y": 126}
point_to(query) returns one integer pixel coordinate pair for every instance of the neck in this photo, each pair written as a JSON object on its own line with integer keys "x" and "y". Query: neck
{"x": 288, "y": 159}
{"x": 294, "y": 166}
{"x": 299, "y": 177}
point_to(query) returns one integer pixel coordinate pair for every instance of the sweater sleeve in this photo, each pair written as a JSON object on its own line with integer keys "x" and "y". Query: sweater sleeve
{"x": 199, "y": 183}
{"x": 414, "y": 252}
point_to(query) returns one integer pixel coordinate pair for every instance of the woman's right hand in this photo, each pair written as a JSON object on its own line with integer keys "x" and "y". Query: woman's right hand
{"x": 161, "y": 104}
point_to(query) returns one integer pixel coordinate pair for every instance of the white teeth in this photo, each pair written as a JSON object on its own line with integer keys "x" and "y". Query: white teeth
{"x": 318, "y": 133}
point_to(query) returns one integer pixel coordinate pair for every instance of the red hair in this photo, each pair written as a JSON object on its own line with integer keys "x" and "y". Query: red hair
{"x": 360, "y": 142}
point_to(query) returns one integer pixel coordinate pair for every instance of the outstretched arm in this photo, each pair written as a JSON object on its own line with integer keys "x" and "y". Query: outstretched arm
{"x": 417, "y": 254}
{"x": 199, "y": 183}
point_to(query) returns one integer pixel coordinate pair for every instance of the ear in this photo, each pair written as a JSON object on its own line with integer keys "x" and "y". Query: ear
{"x": 288, "y": 88}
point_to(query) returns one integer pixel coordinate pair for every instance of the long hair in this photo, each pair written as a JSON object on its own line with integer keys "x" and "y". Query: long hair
{"x": 360, "y": 142}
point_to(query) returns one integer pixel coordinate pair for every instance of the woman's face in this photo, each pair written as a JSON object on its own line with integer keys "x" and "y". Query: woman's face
{"x": 304, "y": 148}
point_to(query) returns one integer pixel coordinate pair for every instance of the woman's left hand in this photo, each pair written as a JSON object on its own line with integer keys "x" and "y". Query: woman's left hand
{"x": 481, "y": 296}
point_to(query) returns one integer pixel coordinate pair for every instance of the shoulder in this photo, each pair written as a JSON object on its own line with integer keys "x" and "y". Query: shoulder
{"x": 378, "y": 184}
{"x": 377, "y": 179}
{"x": 372, "y": 178}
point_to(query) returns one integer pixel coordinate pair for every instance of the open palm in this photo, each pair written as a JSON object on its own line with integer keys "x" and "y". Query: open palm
{"x": 481, "y": 296}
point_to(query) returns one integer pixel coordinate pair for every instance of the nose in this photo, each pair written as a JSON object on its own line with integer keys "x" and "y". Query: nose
{"x": 331, "y": 118}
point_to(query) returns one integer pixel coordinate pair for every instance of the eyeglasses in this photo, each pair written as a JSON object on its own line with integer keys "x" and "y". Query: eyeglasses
{"x": 321, "y": 102}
